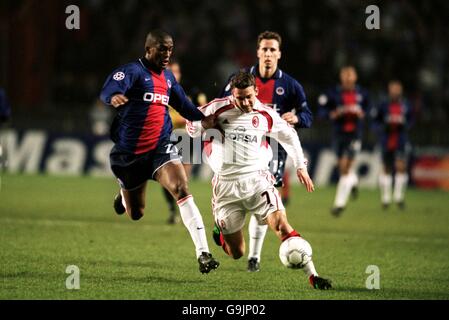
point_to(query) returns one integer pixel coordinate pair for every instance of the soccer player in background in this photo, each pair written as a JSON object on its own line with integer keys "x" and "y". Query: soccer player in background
{"x": 345, "y": 105}
{"x": 242, "y": 182}
{"x": 141, "y": 92}
{"x": 286, "y": 96}
{"x": 392, "y": 119}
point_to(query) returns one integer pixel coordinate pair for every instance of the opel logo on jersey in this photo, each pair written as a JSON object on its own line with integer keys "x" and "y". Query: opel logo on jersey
{"x": 169, "y": 83}
{"x": 118, "y": 76}
{"x": 255, "y": 122}
{"x": 280, "y": 91}
{"x": 156, "y": 98}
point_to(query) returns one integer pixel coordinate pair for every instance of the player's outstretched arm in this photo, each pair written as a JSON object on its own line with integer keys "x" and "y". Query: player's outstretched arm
{"x": 181, "y": 103}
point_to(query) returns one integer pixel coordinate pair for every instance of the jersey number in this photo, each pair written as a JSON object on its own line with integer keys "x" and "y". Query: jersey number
{"x": 265, "y": 193}
{"x": 169, "y": 148}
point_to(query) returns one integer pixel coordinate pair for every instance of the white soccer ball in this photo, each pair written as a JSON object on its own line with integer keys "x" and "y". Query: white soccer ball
{"x": 295, "y": 252}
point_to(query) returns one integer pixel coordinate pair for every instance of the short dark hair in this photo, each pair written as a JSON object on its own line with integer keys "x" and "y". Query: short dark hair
{"x": 156, "y": 36}
{"x": 243, "y": 80}
{"x": 269, "y": 35}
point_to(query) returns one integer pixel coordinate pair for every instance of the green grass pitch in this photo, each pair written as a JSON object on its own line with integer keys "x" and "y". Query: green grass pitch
{"x": 48, "y": 223}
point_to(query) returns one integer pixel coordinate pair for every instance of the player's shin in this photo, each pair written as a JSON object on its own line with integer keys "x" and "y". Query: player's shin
{"x": 385, "y": 183}
{"x": 193, "y": 221}
{"x": 401, "y": 180}
{"x": 123, "y": 199}
{"x": 257, "y": 234}
{"x": 343, "y": 189}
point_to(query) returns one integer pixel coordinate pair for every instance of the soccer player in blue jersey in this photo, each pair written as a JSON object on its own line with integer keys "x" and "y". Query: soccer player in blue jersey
{"x": 346, "y": 106}
{"x": 284, "y": 94}
{"x": 141, "y": 92}
{"x": 392, "y": 119}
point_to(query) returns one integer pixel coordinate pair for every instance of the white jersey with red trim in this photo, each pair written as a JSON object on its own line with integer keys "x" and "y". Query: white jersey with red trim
{"x": 238, "y": 145}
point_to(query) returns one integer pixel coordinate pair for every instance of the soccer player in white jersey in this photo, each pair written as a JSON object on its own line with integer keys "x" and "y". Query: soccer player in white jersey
{"x": 242, "y": 182}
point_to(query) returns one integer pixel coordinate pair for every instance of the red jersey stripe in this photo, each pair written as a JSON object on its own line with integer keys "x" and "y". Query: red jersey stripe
{"x": 266, "y": 90}
{"x": 155, "y": 118}
{"x": 268, "y": 117}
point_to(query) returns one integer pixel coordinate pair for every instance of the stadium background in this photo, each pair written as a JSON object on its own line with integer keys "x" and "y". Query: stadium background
{"x": 53, "y": 76}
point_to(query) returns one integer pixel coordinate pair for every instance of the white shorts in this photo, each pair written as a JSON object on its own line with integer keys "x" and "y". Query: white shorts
{"x": 234, "y": 197}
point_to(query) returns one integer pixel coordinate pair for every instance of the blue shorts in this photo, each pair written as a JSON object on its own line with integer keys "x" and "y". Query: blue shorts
{"x": 401, "y": 153}
{"x": 347, "y": 146}
{"x": 132, "y": 170}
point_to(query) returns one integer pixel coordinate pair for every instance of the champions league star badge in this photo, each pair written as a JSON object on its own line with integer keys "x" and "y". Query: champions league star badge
{"x": 169, "y": 83}
{"x": 118, "y": 76}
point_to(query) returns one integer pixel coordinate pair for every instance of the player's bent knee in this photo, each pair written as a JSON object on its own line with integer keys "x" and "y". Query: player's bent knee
{"x": 181, "y": 189}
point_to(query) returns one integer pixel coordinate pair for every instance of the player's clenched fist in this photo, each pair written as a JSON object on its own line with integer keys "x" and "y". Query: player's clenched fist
{"x": 290, "y": 117}
{"x": 118, "y": 100}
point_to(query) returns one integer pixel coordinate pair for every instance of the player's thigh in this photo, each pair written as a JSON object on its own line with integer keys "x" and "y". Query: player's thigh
{"x": 262, "y": 197}
{"x": 130, "y": 170}
{"x": 230, "y": 217}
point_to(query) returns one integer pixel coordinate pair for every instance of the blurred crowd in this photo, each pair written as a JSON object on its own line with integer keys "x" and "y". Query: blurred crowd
{"x": 214, "y": 38}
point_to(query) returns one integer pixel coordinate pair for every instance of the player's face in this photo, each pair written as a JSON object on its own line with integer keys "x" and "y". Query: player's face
{"x": 268, "y": 53}
{"x": 161, "y": 52}
{"x": 245, "y": 98}
{"x": 395, "y": 90}
{"x": 348, "y": 77}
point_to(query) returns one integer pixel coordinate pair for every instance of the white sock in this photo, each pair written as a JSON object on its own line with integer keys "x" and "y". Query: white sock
{"x": 400, "y": 184}
{"x": 354, "y": 180}
{"x": 309, "y": 269}
{"x": 385, "y": 182}
{"x": 257, "y": 234}
{"x": 193, "y": 221}
{"x": 343, "y": 190}
{"x": 123, "y": 199}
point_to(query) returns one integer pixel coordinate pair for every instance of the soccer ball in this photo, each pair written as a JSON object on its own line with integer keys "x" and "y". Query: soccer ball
{"x": 295, "y": 252}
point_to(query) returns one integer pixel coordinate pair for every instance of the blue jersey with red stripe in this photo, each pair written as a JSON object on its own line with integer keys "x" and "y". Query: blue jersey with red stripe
{"x": 392, "y": 119}
{"x": 346, "y": 101}
{"x": 282, "y": 93}
{"x": 144, "y": 120}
